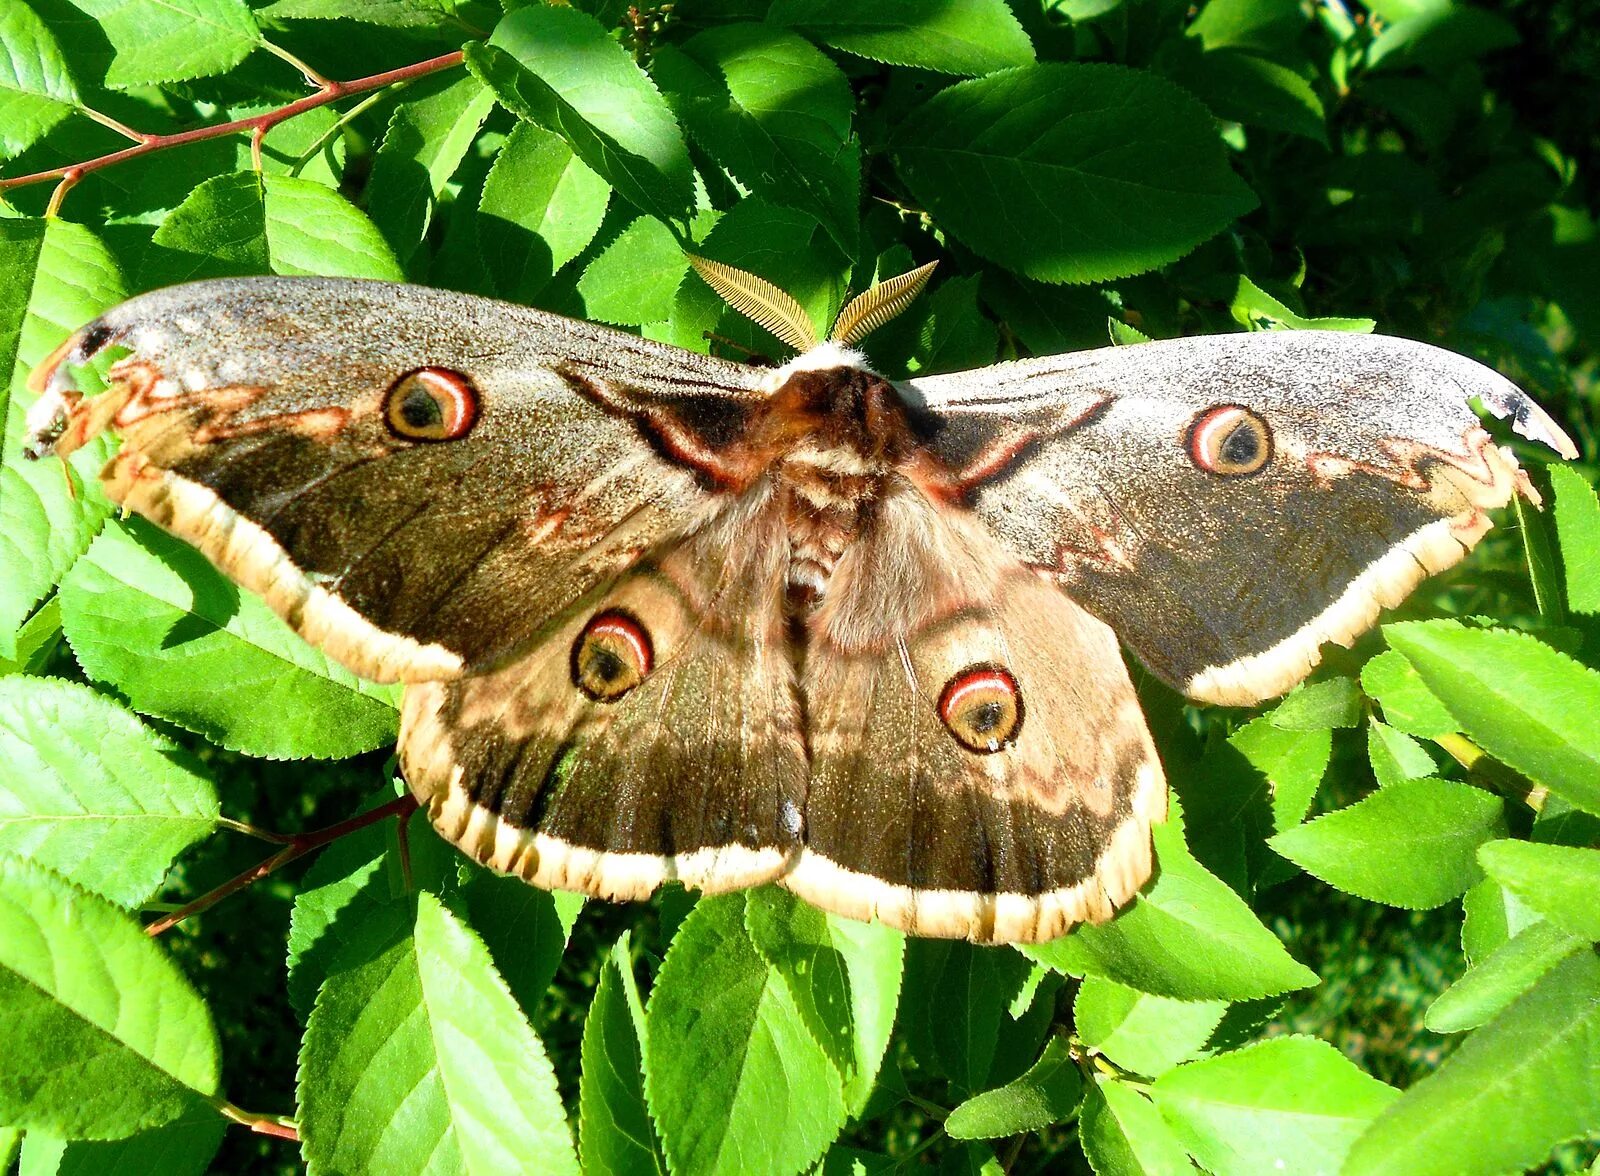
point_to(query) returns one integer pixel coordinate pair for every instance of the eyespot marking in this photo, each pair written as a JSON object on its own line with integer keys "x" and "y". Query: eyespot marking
{"x": 1230, "y": 440}
{"x": 982, "y": 708}
{"x": 611, "y": 656}
{"x": 431, "y": 404}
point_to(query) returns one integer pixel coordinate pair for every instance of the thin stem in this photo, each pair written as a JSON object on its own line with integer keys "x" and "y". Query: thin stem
{"x": 69, "y": 179}
{"x": 278, "y": 1126}
{"x": 260, "y": 122}
{"x": 311, "y": 76}
{"x": 297, "y": 847}
{"x": 106, "y": 120}
{"x": 340, "y": 123}
{"x": 253, "y": 831}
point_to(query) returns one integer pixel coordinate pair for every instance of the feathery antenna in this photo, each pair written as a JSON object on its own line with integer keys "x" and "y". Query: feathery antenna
{"x": 868, "y": 311}
{"x": 759, "y": 300}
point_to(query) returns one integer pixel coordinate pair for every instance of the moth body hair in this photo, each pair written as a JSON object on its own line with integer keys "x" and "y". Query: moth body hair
{"x": 820, "y": 358}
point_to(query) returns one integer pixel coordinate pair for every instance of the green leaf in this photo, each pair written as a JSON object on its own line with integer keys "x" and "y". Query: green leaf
{"x": 392, "y": 14}
{"x": 1407, "y": 704}
{"x": 526, "y": 929}
{"x": 1263, "y": 25}
{"x": 249, "y": 223}
{"x": 635, "y": 279}
{"x": 1318, "y": 706}
{"x": 103, "y": 1036}
{"x": 183, "y": 1147}
{"x": 541, "y": 206}
{"x": 1560, "y": 882}
{"x": 1124, "y": 1135}
{"x": 428, "y": 136}
{"x": 36, "y": 87}
{"x": 963, "y": 994}
{"x": 1241, "y": 87}
{"x": 1039, "y": 145}
{"x": 559, "y": 68}
{"x": 92, "y": 793}
{"x": 149, "y": 615}
{"x": 1412, "y": 844}
{"x": 734, "y": 1077}
{"x": 956, "y": 36}
{"x": 1577, "y": 519}
{"x": 417, "y": 1059}
{"x": 1541, "y": 1056}
{"x": 615, "y": 1133}
{"x": 158, "y": 41}
{"x": 783, "y": 245}
{"x": 1500, "y": 977}
{"x": 1521, "y": 701}
{"x": 844, "y": 976}
{"x": 1141, "y": 1033}
{"x": 1186, "y": 936}
{"x": 1254, "y": 308}
{"x": 774, "y": 111}
{"x": 54, "y": 277}
{"x": 1284, "y": 1104}
{"x": 1396, "y": 756}
{"x": 1439, "y": 34}
{"x": 1048, "y": 1093}
{"x": 944, "y": 331}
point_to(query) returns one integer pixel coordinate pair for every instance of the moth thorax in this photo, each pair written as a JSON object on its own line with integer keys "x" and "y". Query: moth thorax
{"x": 837, "y": 436}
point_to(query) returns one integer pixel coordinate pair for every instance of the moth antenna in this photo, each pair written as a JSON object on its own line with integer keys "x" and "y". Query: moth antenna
{"x": 759, "y": 301}
{"x": 868, "y": 311}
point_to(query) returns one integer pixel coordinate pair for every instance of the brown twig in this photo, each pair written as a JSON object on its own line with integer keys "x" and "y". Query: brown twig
{"x": 258, "y": 125}
{"x": 298, "y": 846}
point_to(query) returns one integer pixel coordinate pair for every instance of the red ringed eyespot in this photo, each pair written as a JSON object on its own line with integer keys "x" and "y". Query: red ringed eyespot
{"x": 982, "y": 707}
{"x": 431, "y": 404}
{"x": 1229, "y": 440}
{"x": 611, "y": 656}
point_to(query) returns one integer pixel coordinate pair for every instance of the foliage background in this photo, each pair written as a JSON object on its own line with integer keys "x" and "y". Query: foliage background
{"x": 1078, "y": 167}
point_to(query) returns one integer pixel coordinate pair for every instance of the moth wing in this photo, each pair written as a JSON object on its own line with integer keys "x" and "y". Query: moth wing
{"x": 258, "y": 420}
{"x": 1115, "y": 472}
{"x": 696, "y": 773}
{"x": 929, "y": 632}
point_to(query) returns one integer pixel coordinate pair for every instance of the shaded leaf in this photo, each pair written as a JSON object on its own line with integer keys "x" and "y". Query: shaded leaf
{"x": 1036, "y": 146}
{"x": 1244, "y": 88}
{"x": 963, "y": 993}
{"x": 844, "y": 976}
{"x": 1048, "y": 1093}
{"x": 615, "y": 1131}
{"x": 92, "y": 793}
{"x": 774, "y": 111}
{"x": 183, "y": 1147}
{"x": 956, "y": 36}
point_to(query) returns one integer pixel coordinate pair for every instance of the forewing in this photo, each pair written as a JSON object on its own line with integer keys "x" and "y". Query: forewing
{"x": 907, "y": 823}
{"x": 1110, "y": 471}
{"x": 257, "y": 422}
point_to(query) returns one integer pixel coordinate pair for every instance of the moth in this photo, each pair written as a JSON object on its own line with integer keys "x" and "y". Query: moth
{"x": 662, "y": 616}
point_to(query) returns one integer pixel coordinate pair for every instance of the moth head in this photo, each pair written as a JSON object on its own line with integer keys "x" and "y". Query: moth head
{"x": 763, "y": 303}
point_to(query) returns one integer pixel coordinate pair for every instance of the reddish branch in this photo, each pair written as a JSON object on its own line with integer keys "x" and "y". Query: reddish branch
{"x": 297, "y": 846}
{"x": 258, "y": 125}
